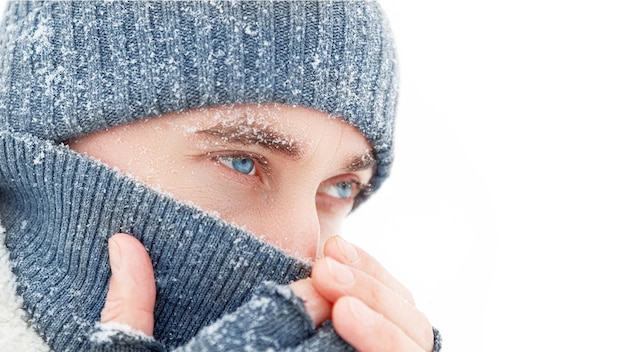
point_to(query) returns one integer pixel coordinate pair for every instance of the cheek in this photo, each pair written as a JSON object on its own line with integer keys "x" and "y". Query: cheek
{"x": 209, "y": 190}
{"x": 119, "y": 151}
{"x": 331, "y": 217}
{"x": 134, "y": 150}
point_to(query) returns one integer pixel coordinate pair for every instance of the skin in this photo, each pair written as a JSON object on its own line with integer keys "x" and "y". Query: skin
{"x": 296, "y": 172}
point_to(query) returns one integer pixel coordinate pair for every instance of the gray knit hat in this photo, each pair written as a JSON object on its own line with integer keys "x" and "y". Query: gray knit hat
{"x": 68, "y": 68}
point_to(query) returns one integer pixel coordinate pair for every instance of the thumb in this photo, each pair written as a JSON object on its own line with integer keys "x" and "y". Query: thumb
{"x": 132, "y": 289}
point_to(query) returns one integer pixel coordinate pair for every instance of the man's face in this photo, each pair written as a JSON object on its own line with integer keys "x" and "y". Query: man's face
{"x": 287, "y": 174}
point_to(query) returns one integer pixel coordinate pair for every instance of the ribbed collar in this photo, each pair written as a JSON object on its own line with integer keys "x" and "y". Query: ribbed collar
{"x": 59, "y": 208}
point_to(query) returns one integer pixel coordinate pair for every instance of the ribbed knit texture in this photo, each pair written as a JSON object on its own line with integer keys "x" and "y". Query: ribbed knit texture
{"x": 59, "y": 208}
{"x": 70, "y": 68}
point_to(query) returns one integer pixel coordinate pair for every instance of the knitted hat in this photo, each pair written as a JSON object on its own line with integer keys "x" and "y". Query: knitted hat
{"x": 71, "y": 68}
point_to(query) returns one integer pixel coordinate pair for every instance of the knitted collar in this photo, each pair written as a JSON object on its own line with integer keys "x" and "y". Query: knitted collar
{"x": 59, "y": 208}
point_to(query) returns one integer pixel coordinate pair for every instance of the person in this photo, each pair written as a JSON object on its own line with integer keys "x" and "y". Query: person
{"x": 173, "y": 175}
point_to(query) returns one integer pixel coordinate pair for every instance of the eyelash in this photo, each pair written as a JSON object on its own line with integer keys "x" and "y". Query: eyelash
{"x": 259, "y": 161}
{"x": 359, "y": 187}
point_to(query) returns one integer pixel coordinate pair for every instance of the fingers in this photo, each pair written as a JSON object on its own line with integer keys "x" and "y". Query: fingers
{"x": 334, "y": 280}
{"x": 316, "y": 305}
{"x": 132, "y": 289}
{"x": 353, "y": 256}
{"x": 367, "y": 330}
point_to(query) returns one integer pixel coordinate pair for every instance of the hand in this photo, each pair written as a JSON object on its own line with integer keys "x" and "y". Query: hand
{"x": 370, "y": 309}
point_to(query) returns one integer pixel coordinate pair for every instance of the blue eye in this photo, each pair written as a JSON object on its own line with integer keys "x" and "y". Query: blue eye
{"x": 344, "y": 189}
{"x": 341, "y": 190}
{"x": 242, "y": 165}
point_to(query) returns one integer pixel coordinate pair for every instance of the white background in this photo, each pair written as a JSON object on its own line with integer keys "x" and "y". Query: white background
{"x": 506, "y": 207}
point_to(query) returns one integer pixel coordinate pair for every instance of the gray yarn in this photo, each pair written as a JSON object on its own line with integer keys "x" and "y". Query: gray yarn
{"x": 70, "y": 68}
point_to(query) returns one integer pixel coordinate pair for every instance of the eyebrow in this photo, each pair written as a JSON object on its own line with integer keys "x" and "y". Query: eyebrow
{"x": 360, "y": 162}
{"x": 251, "y": 133}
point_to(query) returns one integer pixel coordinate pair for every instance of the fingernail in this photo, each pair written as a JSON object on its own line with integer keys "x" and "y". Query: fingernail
{"x": 362, "y": 313}
{"x": 347, "y": 250}
{"x": 340, "y": 272}
{"x": 115, "y": 255}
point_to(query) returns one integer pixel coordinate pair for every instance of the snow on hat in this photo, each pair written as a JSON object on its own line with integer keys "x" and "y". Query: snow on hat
{"x": 73, "y": 67}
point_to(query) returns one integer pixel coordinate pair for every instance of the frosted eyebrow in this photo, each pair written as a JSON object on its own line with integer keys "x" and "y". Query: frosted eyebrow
{"x": 251, "y": 134}
{"x": 361, "y": 162}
